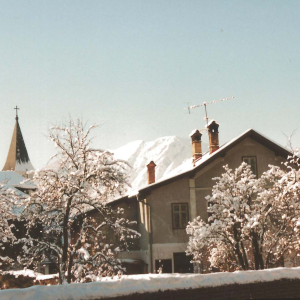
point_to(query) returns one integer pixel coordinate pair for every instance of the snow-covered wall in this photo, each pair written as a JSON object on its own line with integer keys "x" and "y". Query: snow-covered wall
{"x": 266, "y": 284}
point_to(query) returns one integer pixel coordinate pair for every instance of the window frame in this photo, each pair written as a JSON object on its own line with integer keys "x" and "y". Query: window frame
{"x": 249, "y": 157}
{"x": 160, "y": 263}
{"x": 180, "y": 218}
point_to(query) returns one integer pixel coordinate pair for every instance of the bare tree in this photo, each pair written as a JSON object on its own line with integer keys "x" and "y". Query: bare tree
{"x": 84, "y": 243}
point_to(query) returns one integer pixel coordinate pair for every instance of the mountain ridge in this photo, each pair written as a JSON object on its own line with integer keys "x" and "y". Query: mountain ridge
{"x": 171, "y": 154}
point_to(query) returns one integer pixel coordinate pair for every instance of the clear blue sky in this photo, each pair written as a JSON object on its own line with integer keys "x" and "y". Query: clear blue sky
{"x": 132, "y": 66}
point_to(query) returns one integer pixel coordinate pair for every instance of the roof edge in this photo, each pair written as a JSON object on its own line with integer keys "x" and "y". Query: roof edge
{"x": 278, "y": 150}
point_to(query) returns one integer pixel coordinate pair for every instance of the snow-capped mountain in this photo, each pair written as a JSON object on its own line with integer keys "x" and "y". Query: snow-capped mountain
{"x": 171, "y": 155}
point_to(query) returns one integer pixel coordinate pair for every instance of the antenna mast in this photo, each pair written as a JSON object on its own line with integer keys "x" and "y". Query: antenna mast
{"x": 204, "y": 104}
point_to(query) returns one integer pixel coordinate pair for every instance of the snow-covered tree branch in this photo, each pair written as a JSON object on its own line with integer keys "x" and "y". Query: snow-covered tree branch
{"x": 8, "y": 202}
{"x": 80, "y": 228}
{"x": 283, "y": 200}
{"x": 254, "y": 222}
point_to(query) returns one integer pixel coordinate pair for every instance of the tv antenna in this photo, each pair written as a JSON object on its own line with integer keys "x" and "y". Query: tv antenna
{"x": 204, "y": 104}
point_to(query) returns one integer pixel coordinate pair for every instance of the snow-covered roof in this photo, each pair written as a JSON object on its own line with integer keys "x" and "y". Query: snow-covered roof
{"x": 13, "y": 179}
{"x": 130, "y": 261}
{"x": 187, "y": 166}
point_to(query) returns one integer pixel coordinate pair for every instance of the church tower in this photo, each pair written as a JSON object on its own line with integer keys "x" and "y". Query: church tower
{"x": 17, "y": 157}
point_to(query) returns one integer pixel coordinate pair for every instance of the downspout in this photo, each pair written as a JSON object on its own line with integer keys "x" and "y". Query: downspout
{"x": 149, "y": 231}
{"x": 150, "y": 238}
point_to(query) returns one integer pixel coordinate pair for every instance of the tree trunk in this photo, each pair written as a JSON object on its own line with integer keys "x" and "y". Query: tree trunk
{"x": 64, "y": 261}
{"x": 245, "y": 256}
{"x": 258, "y": 259}
{"x": 59, "y": 271}
{"x": 237, "y": 247}
{"x": 70, "y": 268}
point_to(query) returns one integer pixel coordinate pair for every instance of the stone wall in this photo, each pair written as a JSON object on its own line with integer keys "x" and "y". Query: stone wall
{"x": 279, "y": 289}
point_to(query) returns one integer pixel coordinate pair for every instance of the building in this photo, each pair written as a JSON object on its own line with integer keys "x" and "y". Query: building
{"x": 17, "y": 158}
{"x": 14, "y": 176}
{"x": 17, "y": 164}
{"x": 165, "y": 207}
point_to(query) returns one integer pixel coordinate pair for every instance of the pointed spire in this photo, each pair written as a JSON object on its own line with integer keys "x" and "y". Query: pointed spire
{"x": 17, "y": 157}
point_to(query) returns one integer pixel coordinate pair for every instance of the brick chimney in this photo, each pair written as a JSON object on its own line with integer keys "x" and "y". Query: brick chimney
{"x": 151, "y": 172}
{"x": 213, "y": 135}
{"x": 196, "y": 145}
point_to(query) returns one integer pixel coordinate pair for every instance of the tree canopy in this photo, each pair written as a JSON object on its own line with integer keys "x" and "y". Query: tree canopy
{"x": 253, "y": 222}
{"x": 84, "y": 244}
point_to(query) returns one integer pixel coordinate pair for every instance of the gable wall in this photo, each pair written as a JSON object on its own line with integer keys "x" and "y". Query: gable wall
{"x": 181, "y": 191}
{"x": 161, "y": 200}
{"x": 165, "y": 240}
{"x": 248, "y": 147}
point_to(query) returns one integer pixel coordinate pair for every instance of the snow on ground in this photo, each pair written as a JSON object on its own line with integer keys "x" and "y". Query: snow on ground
{"x": 145, "y": 283}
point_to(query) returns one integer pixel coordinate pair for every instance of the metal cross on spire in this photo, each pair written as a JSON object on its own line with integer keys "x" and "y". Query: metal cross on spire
{"x": 16, "y": 108}
{"x": 204, "y": 104}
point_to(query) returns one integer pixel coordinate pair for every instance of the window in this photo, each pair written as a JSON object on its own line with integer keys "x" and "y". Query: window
{"x": 180, "y": 215}
{"x": 251, "y": 161}
{"x": 209, "y": 213}
{"x": 163, "y": 265}
{"x": 182, "y": 263}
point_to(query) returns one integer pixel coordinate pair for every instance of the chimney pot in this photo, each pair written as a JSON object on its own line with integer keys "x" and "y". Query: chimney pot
{"x": 196, "y": 145}
{"x": 213, "y": 135}
{"x": 151, "y": 172}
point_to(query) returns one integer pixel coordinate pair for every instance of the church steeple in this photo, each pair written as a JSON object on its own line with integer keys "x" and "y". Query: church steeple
{"x": 17, "y": 158}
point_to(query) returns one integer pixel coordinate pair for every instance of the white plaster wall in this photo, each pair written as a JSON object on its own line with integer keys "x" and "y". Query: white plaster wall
{"x": 165, "y": 251}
